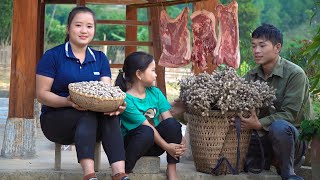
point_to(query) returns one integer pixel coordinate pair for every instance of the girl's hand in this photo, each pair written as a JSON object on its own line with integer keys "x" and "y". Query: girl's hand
{"x": 74, "y": 105}
{"x": 119, "y": 111}
{"x": 176, "y": 150}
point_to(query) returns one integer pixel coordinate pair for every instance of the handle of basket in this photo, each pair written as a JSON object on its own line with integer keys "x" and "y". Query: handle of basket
{"x": 235, "y": 170}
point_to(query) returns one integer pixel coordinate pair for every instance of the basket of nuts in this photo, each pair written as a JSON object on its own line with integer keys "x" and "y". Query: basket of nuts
{"x": 96, "y": 96}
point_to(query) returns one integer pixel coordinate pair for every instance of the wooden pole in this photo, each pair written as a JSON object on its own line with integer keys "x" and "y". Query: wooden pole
{"x": 131, "y": 31}
{"x": 154, "y": 16}
{"x": 19, "y": 137}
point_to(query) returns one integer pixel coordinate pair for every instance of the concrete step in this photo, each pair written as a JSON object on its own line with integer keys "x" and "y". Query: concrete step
{"x": 77, "y": 175}
{"x": 186, "y": 171}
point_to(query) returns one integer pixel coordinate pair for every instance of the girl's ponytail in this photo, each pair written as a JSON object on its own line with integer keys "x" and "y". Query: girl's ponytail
{"x": 121, "y": 81}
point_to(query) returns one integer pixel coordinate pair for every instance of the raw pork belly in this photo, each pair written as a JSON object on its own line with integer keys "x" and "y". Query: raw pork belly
{"x": 227, "y": 50}
{"x": 204, "y": 37}
{"x": 175, "y": 40}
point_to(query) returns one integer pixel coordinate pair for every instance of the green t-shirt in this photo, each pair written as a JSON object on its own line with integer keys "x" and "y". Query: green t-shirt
{"x": 138, "y": 110}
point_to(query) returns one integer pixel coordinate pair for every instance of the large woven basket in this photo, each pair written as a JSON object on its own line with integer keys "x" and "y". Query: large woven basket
{"x": 211, "y": 137}
{"x": 94, "y": 103}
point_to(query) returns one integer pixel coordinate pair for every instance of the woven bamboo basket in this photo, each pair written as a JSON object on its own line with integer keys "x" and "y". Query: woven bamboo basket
{"x": 95, "y": 103}
{"x": 211, "y": 137}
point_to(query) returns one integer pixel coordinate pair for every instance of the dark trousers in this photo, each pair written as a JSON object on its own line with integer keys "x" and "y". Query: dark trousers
{"x": 84, "y": 129}
{"x": 140, "y": 141}
{"x": 282, "y": 140}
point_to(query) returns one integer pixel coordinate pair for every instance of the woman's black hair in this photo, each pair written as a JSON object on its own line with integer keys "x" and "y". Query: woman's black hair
{"x": 74, "y": 12}
{"x": 133, "y": 62}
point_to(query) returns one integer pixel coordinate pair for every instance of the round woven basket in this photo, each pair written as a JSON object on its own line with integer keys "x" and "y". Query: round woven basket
{"x": 94, "y": 103}
{"x": 211, "y": 137}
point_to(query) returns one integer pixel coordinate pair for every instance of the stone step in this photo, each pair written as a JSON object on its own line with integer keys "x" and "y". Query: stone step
{"x": 147, "y": 165}
{"x": 186, "y": 171}
{"x": 76, "y": 175}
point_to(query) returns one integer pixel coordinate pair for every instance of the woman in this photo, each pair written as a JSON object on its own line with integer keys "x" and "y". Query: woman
{"x": 144, "y": 133}
{"x": 63, "y": 121}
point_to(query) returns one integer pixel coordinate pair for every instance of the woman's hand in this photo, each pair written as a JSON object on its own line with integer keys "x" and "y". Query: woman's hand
{"x": 74, "y": 105}
{"x": 118, "y": 111}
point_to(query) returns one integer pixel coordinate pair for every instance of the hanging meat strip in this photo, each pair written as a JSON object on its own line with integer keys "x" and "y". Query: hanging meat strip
{"x": 204, "y": 37}
{"x": 227, "y": 50}
{"x": 175, "y": 40}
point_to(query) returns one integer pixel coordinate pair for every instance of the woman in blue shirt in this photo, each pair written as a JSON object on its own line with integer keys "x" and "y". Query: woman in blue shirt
{"x": 147, "y": 124}
{"x": 63, "y": 121}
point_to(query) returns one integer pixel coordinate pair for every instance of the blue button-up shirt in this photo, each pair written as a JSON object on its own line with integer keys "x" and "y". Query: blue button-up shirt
{"x": 60, "y": 64}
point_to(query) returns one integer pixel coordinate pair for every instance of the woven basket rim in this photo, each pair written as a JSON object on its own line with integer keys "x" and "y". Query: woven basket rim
{"x": 97, "y": 97}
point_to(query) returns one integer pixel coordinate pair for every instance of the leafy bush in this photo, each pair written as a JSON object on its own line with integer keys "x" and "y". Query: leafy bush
{"x": 310, "y": 128}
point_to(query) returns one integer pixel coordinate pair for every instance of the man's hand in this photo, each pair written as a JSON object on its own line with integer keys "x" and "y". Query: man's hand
{"x": 118, "y": 111}
{"x": 251, "y": 122}
{"x": 178, "y": 108}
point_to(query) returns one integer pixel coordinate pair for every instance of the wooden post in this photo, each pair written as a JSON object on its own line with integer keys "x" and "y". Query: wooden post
{"x": 81, "y": 2}
{"x": 209, "y": 5}
{"x": 154, "y": 16}
{"x": 19, "y": 137}
{"x": 131, "y": 31}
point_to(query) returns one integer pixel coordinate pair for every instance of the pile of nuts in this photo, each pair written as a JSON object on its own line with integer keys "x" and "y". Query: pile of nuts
{"x": 224, "y": 90}
{"x": 97, "y": 89}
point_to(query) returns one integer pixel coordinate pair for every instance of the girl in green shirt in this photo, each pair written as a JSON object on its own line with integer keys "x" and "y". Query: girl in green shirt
{"x": 147, "y": 125}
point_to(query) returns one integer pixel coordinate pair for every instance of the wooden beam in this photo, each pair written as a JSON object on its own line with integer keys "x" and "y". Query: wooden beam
{"x": 131, "y": 31}
{"x": 23, "y": 59}
{"x": 154, "y": 17}
{"x": 125, "y": 22}
{"x": 121, "y": 43}
{"x": 116, "y": 65}
{"x": 60, "y": 1}
{"x": 123, "y": 2}
{"x": 163, "y": 3}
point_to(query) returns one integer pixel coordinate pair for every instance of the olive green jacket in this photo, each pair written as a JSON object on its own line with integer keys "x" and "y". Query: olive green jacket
{"x": 293, "y": 102}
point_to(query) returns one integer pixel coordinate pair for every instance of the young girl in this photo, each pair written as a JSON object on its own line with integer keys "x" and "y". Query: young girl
{"x": 145, "y": 134}
{"x": 63, "y": 121}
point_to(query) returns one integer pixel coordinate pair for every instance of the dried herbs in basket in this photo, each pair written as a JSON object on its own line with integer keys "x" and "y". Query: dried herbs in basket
{"x": 224, "y": 90}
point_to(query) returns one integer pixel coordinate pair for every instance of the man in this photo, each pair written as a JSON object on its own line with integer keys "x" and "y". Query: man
{"x": 279, "y": 124}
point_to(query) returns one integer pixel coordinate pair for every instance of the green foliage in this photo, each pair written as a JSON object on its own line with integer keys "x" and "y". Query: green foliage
{"x": 309, "y": 128}
{"x": 5, "y": 21}
{"x": 313, "y": 51}
{"x": 55, "y": 31}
